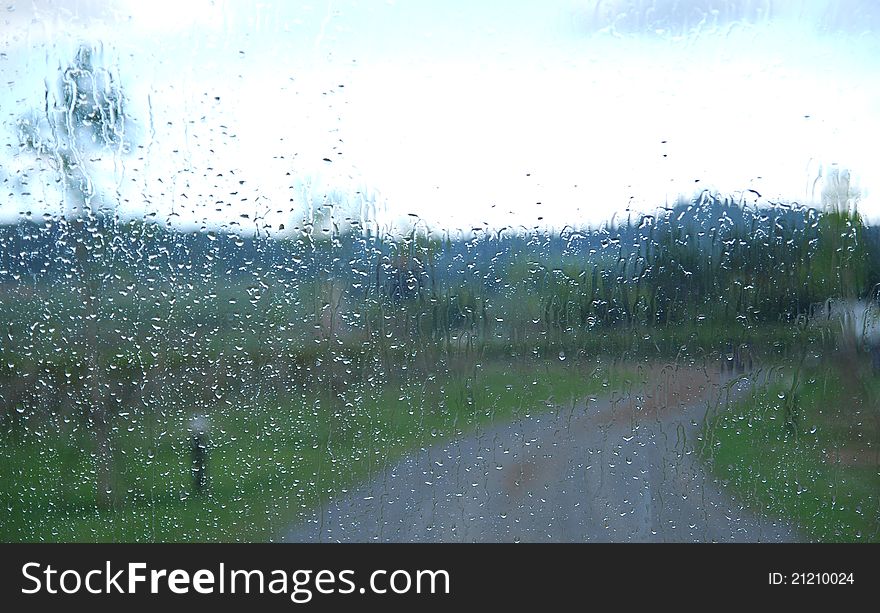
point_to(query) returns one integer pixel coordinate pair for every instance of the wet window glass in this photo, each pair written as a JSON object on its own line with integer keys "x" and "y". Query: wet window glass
{"x": 439, "y": 271}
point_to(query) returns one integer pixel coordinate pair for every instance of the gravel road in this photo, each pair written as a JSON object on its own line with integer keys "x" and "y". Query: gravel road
{"x": 617, "y": 469}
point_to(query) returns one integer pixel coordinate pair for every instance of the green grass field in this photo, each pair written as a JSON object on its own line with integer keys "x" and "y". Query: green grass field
{"x": 273, "y": 456}
{"x": 823, "y": 472}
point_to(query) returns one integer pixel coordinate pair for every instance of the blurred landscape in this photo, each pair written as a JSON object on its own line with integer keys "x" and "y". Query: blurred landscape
{"x": 214, "y": 328}
{"x": 319, "y": 360}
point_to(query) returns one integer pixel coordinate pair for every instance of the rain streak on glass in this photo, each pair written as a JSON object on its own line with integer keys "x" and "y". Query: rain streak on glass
{"x": 458, "y": 271}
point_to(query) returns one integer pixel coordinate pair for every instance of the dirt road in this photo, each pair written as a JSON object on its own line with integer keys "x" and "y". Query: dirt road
{"x": 616, "y": 469}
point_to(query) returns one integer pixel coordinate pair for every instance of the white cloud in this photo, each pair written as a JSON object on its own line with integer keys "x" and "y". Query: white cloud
{"x": 483, "y": 120}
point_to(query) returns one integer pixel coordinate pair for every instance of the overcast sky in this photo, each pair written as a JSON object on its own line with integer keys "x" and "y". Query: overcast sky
{"x": 461, "y": 113}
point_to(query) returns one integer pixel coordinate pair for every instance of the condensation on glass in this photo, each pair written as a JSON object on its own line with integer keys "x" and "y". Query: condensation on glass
{"x": 559, "y": 271}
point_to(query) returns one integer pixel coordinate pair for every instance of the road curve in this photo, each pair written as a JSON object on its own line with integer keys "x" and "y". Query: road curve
{"x": 622, "y": 469}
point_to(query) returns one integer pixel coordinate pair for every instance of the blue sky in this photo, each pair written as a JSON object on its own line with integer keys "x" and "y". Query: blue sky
{"x": 460, "y": 114}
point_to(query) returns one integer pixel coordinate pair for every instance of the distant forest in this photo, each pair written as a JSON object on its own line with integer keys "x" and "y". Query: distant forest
{"x": 767, "y": 263}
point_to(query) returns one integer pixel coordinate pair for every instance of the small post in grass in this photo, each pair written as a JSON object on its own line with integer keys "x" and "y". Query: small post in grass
{"x": 198, "y": 440}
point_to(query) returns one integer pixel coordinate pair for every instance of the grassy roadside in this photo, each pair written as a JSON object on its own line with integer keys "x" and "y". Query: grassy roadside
{"x": 272, "y": 458}
{"x": 822, "y": 471}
